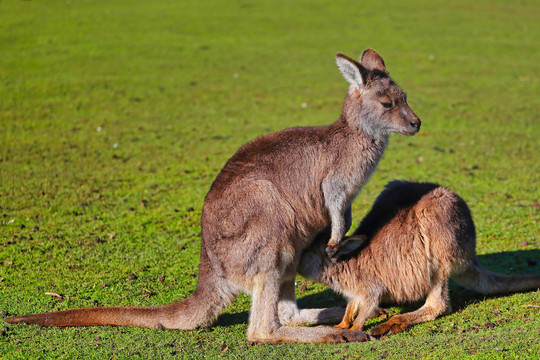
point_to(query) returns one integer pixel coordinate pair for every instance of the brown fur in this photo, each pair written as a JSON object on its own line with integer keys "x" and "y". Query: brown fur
{"x": 266, "y": 205}
{"x": 418, "y": 236}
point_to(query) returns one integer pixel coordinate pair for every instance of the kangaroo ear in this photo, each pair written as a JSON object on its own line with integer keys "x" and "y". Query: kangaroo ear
{"x": 351, "y": 70}
{"x": 371, "y": 60}
{"x": 350, "y": 244}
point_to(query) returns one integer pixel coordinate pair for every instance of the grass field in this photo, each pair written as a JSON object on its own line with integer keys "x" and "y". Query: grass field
{"x": 115, "y": 117}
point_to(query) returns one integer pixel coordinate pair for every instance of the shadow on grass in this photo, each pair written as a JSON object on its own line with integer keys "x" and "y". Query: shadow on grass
{"x": 324, "y": 299}
{"x": 232, "y": 319}
{"x": 510, "y": 263}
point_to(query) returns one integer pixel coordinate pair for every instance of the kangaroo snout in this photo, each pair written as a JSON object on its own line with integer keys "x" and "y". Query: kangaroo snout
{"x": 412, "y": 120}
{"x": 416, "y": 124}
{"x": 410, "y": 126}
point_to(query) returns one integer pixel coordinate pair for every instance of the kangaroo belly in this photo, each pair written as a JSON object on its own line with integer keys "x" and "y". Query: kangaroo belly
{"x": 406, "y": 269}
{"x": 408, "y": 286}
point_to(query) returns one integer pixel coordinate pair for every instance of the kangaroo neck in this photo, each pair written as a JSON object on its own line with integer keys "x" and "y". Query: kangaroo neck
{"x": 360, "y": 143}
{"x": 357, "y": 156}
{"x": 360, "y": 117}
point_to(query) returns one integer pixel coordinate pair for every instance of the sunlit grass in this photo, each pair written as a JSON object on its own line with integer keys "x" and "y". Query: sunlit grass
{"x": 115, "y": 117}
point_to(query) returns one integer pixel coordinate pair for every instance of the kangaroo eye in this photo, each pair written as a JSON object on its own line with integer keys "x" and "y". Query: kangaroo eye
{"x": 386, "y": 105}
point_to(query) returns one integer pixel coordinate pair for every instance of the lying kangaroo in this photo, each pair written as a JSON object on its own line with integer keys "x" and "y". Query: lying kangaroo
{"x": 418, "y": 236}
{"x": 266, "y": 205}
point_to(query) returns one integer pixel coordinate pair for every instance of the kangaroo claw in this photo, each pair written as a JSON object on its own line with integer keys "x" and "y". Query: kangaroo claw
{"x": 332, "y": 251}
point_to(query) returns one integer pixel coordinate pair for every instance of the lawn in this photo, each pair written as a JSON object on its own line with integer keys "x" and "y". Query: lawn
{"x": 116, "y": 116}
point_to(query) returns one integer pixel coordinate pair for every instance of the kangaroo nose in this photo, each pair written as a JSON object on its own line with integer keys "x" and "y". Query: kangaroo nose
{"x": 415, "y": 124}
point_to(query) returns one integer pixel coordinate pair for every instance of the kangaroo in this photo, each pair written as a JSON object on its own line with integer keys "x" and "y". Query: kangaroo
{"x": 266, "y": 205}
{"x": 416, "y": 237}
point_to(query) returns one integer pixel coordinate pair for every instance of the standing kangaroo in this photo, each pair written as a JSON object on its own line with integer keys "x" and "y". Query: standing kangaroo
{"x": 267, "y": 205}
{"x": 418, "y": 236}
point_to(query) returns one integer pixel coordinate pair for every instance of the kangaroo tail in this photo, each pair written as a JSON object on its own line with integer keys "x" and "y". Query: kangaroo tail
{"x": 202, "y": 308}
{"x": 150, "y": 317}
{"x": 477, "y": 278}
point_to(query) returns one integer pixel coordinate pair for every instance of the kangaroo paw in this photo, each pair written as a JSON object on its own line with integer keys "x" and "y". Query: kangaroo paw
{"x": 332, "y": 252}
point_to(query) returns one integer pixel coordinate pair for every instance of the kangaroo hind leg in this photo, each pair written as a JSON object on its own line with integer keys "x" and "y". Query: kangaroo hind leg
{"x": 291, "y": 315}
{"x": 359, "y": 309}
{"x": 350, "y": 315}
{"x": 265, "y": 326}
{"x": 437, "y": 303}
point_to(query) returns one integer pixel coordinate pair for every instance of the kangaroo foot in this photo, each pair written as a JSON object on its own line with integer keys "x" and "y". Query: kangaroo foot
{"x": 342, "y": 325}
{"x": 356, "y": 327}
{"x": 349, "y": 336}
{"x": 393, "y": 326}
{"x": 319, "y": 334}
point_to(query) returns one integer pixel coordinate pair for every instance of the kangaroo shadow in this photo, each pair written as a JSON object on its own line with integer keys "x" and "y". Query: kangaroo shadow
{"x": 324, "y": 299}
{"x": 520, "y": 262}
{"x": 232, "y": 319}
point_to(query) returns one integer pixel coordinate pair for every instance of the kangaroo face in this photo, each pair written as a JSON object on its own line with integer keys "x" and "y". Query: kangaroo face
{"x": 375, "y": 102}
{"x": 384, "y": 105}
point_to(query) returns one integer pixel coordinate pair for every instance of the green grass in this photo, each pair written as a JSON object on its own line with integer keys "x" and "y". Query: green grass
{"x": 158, "y": 80}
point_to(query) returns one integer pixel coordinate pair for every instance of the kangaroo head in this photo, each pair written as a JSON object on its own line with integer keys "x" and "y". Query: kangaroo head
{"x": 375, "y": 103}
{"x": 315, "y": 258}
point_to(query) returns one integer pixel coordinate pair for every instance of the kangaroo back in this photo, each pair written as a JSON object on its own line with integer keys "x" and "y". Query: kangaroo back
{"x": 445, "y": 222}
